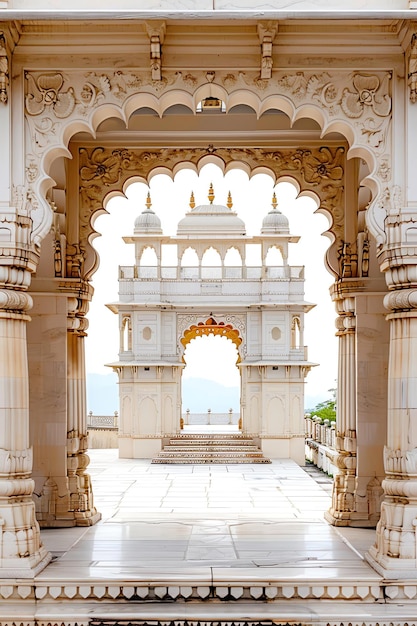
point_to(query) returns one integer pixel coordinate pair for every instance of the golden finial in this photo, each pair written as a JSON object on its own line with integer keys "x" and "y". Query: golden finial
{"x": 192, "y": 200}
{"x": 211, "y": 193}
{"x": 229, "y": 201}
{"x": 274, "y": 201}
{"x": 148, "y": 201}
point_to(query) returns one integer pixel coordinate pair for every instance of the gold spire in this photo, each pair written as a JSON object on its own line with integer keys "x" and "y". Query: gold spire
{"x": 274, "y": 201}
{"x": 148, "y": 201}
{"x": 229, "y": 201}
{"x": 211, "y": 193}
{"x": 192, "y": 200}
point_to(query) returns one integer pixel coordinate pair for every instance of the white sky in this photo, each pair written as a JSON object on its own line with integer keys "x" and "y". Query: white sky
{"x": 252, "y": 201}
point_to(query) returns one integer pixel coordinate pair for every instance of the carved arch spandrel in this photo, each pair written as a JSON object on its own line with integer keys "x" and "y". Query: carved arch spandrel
{"x": 356, "y": 104}
{"x": 319, "y": 171}
{"x": 211, "y": 327}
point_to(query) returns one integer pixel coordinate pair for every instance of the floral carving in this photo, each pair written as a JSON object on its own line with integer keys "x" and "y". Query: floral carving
{"x": 45, "y": 91}
{"x": 369, "y": 92}
{"x": 374, "y": 134}
{"x": 44, "y": 131}
{"x": 320, "y": 164}
{"x": 103, "y": 170}
{"x": 102, "y": 166}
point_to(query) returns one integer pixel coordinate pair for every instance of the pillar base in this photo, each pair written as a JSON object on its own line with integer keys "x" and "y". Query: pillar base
{"x": 82, "y": 519}
{"x": 25, "y": 567}
{"x": 392, "y": 568}
{"x": 353, "y": 520}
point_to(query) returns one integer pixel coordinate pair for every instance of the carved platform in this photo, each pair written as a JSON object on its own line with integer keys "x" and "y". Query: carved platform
{"x": 210, "y": 448}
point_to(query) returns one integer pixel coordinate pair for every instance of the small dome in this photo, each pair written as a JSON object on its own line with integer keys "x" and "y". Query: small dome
{"x": 148, "y": 221}
{"x": 275, "y": 221}
{"x": 211, "y": 220}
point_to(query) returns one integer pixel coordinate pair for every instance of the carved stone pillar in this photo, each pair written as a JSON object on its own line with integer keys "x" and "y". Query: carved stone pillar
{"x": 344, "y": 482}
{"x": 395, "y": 552}
{"x": 21, "y": 552}
{"x": 361, "y": 403}
{"x": 81, "y": 495}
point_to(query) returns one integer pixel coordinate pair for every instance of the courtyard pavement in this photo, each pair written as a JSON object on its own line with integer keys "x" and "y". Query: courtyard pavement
{"x": 259, "y": 521}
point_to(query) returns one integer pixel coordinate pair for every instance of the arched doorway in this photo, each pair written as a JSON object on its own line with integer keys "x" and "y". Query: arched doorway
{"x": 210, "y": 380}
{"x": 319, "y": 167}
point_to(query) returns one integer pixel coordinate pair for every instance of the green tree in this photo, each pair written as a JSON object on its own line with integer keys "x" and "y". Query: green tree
{"x": 326, "y": 410}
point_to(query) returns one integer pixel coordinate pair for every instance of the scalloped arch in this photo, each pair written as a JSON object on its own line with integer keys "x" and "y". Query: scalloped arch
{"x": 212, "y": 327}
{"x": 248, "y": 96}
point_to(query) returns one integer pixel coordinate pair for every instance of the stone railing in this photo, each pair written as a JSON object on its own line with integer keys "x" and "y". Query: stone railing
{"x": 103, "y": 421}
{"x": 203, "y": 272}
{"x": 210, "y": 419}
{"x": 103, "y": 430}
{"x": 321, "y": 443}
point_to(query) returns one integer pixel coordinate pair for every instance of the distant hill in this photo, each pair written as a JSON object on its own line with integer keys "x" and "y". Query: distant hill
{"x": 198, "y": 395}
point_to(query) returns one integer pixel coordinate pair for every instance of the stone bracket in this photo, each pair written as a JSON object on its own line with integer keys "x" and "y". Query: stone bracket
{"x": 267, "y": 32}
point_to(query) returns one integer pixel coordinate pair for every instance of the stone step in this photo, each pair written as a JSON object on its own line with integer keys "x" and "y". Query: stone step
{"x": 210, "y": 453}
{"x": 215, "y": 448}
{"x": 201, "y": 461}
{"x": 210, "y": 448}
{"x": 212, "y": 442}
{"x": 217, "y": 436}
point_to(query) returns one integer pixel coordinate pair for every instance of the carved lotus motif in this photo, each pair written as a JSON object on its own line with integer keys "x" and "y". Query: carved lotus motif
{"x": 102, "y": 166}
{"x": 370, "y": 92}
{"x": 322, "y": 165}
{"x": 45, "y": 91}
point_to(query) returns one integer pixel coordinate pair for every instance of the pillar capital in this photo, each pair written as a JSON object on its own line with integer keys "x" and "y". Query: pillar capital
{"x": 398, "y": 256}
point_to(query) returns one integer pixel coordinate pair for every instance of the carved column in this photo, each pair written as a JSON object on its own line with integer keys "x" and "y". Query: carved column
{"x": 21, "y": 552}
{"x": 395, "y": 551}
{"x": 79, "y": 482}
{"x": 344, "y": 482}
{"x": 361, "y": 403}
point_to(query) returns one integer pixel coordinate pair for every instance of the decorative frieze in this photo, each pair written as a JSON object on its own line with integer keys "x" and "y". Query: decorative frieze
{"x": 106, "y": 169}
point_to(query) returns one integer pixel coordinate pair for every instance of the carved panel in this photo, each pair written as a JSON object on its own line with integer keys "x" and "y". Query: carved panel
{"x": 359, "y": 102}
{"x": 106, "y": 169}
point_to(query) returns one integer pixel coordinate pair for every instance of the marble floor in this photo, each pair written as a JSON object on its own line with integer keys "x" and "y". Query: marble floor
{"x": 211, "y": 542}
{"x": 169, "y": 518}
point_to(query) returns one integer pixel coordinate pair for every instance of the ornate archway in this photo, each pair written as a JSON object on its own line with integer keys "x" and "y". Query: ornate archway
{"x": 357, "y": 127}
{"x": 211, "y": 327}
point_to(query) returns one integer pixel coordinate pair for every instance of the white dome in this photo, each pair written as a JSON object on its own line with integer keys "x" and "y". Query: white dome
{"x": 211, "y": 220}
{"x": 148, "y": 221}
{"x": 275, "y": 222}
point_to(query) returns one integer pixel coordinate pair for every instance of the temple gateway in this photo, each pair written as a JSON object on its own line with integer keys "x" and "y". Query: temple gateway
{"x": 93, "y": 98}
{"x": 259, "y": 308}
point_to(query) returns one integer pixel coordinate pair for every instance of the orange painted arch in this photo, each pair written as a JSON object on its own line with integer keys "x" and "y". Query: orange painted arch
{"x": 211, "y": 327}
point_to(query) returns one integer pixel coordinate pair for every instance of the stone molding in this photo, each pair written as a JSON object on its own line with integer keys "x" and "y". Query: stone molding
{"x": 317, "y": 170}
{"x": 357, "y": 104}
